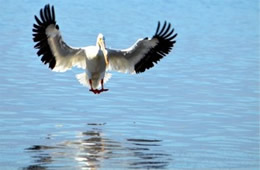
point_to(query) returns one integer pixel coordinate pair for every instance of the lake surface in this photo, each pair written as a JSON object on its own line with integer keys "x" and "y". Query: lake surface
{"x": 198, "y": 108}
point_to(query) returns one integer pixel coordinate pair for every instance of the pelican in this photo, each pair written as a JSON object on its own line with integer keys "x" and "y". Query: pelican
{"x": 98, "y": 59}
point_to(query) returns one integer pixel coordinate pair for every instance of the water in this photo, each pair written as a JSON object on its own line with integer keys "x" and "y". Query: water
{"x": 198, "y": 108}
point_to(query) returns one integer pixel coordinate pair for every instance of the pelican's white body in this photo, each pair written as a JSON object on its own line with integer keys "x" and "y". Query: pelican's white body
{"x": 96, "y": 66}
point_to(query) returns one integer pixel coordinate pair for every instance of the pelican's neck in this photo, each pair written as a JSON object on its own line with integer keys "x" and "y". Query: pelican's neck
{"x": 100, "y": 47}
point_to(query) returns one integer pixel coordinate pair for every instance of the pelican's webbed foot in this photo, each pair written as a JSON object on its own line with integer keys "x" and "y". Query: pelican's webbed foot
{"x": 97, "y": 91}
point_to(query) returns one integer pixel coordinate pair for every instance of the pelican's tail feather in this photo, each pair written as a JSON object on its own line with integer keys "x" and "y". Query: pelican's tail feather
{"x": 84, "y": 80}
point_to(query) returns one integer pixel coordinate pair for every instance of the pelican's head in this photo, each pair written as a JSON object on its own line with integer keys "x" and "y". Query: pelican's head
{"x": 101, "y": 41}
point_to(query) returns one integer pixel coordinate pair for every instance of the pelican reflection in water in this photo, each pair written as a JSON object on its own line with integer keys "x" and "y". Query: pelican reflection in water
{"x": 92, "y": 149}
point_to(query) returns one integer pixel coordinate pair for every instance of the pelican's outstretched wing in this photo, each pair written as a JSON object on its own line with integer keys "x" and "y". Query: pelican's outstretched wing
{"x": 144, "y": 53}
{"x": 52, "y": 48}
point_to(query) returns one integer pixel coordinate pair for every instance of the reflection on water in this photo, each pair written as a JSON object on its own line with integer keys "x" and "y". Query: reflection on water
{"x": 148, "y": 160}
{"x": 91, "y": 149}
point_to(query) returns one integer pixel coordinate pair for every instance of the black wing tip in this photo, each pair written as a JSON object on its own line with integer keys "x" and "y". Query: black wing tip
{"x": 163, "y": 32}
{"x": 45, "y": 18}
{"x": 165, "y": 36}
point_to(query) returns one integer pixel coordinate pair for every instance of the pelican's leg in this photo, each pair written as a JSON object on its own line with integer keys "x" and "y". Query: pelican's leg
{"x": 91, "y": 88}
{"x": 102, "y": 86}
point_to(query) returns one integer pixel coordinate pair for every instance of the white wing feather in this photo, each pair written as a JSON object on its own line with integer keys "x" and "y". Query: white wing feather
{"x": 144, "y": 53}
{"x": 125, "y": 60}
{"x": 66, "y": 56}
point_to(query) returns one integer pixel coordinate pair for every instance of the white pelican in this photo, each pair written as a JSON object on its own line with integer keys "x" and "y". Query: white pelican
{"x": 96, "y": 60}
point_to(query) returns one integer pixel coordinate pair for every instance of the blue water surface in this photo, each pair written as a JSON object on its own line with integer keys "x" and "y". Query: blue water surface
{"x": 198, "y": 108}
